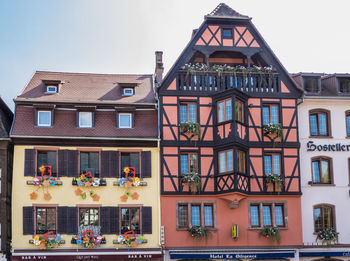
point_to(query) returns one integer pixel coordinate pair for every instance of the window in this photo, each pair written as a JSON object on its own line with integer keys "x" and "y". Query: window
{"x": 321, "y": 170}
{"x": 344, "y": 85}
{"x": 195, "y": 214}
{"x": 85, "y": 119}
{"x": 267, "y": 214}
{"x": 50, "y": 89}
{"x": 188, "y": 112}
{"x": 270, "y": 114}
{"x": 225, "y": 161}
{"x": 323, "y": 217}
{"x": 227, "y": 33}
{"x": 224, "y": 110}
{"x": 128, "y": 91}
{"x": 272, "y": 164}
{"x": 241, "y": 161}
{"x": 88, "y": 216}
{"x": 125, "y": 120}
{"x": 189, "y": 163}
{"x": 130, "y": 220}
{"x": 239, "y": 110}
{"x": 130, "y": 159}
{"x": 45, "y": 220}
{"x": 47, "y": 158}
{"x": 89, "y": 162}
{"x": 319, "y": 123}
{"x": 44, "y": 118}
{"x": 347, "y": 117}
{"x": 311, "y": 84}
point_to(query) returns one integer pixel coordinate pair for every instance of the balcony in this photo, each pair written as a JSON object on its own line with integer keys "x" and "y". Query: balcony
{"x": 251, "y": 82}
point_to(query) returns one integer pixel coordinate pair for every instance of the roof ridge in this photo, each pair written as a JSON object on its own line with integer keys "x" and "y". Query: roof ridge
{"x": 223, "y": 10}
{"x": 88, "y": 73}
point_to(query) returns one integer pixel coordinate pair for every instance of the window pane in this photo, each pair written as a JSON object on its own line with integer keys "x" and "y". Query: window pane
{"x": 183, "y": 113}
{"x": 276, "y": 164}
{"x": 318, "y": 219}
{"x": 192, "y": 112}
{"x": 239, "y": 111}
{"x": 125, "y": 120}
{"x": 241, "y": 161}
{"x": 94, "y": 163}
{"x": 84, "y": 161}
{"x": 267, "y": 215}
{"x": 42, "y": 160}
{"x": 327, "y": 214}
{"x": 184, "y": 164}
{"x": 125, "y": 161}
{"x": 221, "y": 112}
{"x": 229, "y": 160}
{"x": 274, "y": 114}
{"x": 193, "y": 163}
{"x": 313, "y": 125}
{"x": 183, "y": 215}
{"x": 208, "y": 216}
{"x": 348, "y": 125}
{"x": 266, "y": 115}
{"x": 228, "y": 110}
{"x": 323, "y": 123}
{"x": 254, "y": 215}
{"x": 196, "y": 218}
{"x": 325, "y": 172}
{"x": 93, "y": 217}
{"x": 315, "y": 172}
{"x": 44, "y": 118}
{"x": 134, "y": 162}
{"x": 85, "y": 119}
{"x": 222, "y": 162}
{"x": 51, "y": 155}
{"x": 41, "y": 221}
{"x": 267, "y": 162}
{"x": 279, "y": 216}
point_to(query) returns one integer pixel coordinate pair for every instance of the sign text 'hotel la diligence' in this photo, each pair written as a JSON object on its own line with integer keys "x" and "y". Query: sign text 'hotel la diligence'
{"x": 311, "y": 146}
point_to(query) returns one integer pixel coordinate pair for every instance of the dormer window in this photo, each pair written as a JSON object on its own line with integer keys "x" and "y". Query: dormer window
{"x": 311, "y": 84}
{"x": 128, "y": 91}
{"x": 344, "y": 85}
{"x": 51, "y": 89}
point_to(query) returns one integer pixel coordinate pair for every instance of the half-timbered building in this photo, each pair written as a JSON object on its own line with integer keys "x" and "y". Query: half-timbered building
{"x": 229, "y": 146}
{"x": 86, "y": 156}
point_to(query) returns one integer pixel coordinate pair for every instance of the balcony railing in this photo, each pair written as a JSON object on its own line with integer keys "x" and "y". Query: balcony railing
{"x": 215, "y": 82}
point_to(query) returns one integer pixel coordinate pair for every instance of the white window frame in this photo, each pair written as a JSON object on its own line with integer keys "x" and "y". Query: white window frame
{"x": 130, "y": 122}
{"x": 128, "y": 89}
{"x": 51, "y": 86}
{"x": 85, "y": 126}
{"x": 38, "y": 118}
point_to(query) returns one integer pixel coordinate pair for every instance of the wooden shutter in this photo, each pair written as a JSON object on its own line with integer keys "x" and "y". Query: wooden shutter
{"x": 62, "y": 163}
{"x": 110, "y": 164}
{"x": 29, "y": 162}
{"x": 28, "y": 220}
{"x": 72, "y": 163}
{"x": 109, "y": 220}
{"x": 72, "y": 221}
{"x": 62, "y": 213}
{"x": 146, "y": 220}
{"x": 146, "y": 164}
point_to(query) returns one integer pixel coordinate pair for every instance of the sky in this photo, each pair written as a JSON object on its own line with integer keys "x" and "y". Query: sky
{"x": 121, "y": 36}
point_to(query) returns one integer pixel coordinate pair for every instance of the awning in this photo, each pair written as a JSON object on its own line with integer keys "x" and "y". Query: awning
{"x": 231, "y": 254}
{"x": 45, "y": 255}
{"x": 323, "y": 253}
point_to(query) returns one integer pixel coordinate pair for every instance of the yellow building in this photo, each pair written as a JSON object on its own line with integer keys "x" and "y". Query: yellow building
{"x": 86, "y": 164}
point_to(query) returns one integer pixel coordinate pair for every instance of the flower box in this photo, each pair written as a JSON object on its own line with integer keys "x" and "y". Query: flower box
{"x": 273, "y": 233}
{"x": 327, "y": 236}
{"x": 47, "y": 240}
{"x": 142, "y": 183}
{"x": 193, "y": 180}
{"x": 199, "y": 232}
{"x": 36, "y": 183}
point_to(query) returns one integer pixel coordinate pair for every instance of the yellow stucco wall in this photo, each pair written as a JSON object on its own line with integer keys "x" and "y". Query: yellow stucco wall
{"x": 64, "y": 196}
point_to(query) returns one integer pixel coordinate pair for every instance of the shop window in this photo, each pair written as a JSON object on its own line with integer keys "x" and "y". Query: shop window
{"x": 267, "y": 214}
{"x": 225, "y": 161}
{"x": 45, "y": 220}
{"x": 319, "y": 123}
{"x": 321, "y": 170}
{"x": 224, "y": 110}
{"x": 130, "y": 220}
{"x": 270, "y": 114}
{"x": 189, "y": 163}
{"x": 188, "y": 112}
{"x": 323, "y": 217}
{"x": 130, "y": 159}
{"x": 89, "y": 162}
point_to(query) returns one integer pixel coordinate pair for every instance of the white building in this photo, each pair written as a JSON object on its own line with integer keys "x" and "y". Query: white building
{"x": 324, "y": 133}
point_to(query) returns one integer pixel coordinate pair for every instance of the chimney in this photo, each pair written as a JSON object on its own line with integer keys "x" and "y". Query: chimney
{"x": 159, "y": 67}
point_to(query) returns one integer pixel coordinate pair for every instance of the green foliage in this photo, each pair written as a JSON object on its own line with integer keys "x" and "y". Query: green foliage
{"x": 191, "y": 127}
{"x": 199, "y": 232}
{"x": 274, "y": 129}
{"x": 194, "y": 181}
{"x": 327, "y": 236}
{"x": 273, "y": 233}
{"x": 273, "y": 179}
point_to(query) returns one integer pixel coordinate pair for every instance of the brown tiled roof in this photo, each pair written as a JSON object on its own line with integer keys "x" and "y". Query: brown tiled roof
{"x": 89, "y": 88}
{"x": 223, "y": 10}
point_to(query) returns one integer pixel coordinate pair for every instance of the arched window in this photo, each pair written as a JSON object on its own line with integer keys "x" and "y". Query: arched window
{"x": 322, "y": 170}
{"x": 319, "y": 122}
{"x": 324, "y": 217}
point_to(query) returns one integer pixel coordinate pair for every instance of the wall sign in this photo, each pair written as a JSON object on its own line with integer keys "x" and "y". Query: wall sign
{"x": 311, "y": 146}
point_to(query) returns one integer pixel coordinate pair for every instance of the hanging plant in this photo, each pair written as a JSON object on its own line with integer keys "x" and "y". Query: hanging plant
{"x": 89, "y": 238}
{"x": 48, "y": 240}
{"x": 274, "y": 129}
{"x": 327, "y": 236}
{"x": 199, "y": 232}
{"x": 273, "y": 233}
{"x": 86, "y": 180}
{"x": 44, "y": 181}
{"x": 129, "y": 239}
{"x": 191, "y": 127}
{"x": 193, "y": 180}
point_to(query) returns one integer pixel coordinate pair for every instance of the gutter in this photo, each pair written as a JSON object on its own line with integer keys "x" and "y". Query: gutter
{"x": 83, "y": 138}
{"x": 328, "y": 97}
{"x": 82, "y": 102}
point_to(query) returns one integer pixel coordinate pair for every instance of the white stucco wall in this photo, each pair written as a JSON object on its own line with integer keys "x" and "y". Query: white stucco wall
{"x": 337, "y": 194}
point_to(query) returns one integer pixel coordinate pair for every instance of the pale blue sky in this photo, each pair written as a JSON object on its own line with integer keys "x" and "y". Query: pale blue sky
{"x": 121, "y": 36}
